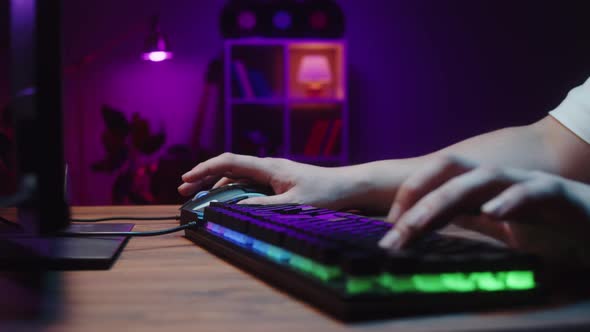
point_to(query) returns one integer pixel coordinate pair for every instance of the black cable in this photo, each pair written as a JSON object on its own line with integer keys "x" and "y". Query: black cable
{"x": 149, "y": 233}
{"x": 3, "y": 220}
{"x": 126, "y": 218}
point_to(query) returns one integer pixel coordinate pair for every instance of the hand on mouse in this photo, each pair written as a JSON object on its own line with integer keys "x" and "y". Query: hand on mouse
{"x": 292, "y": 182}
{"x": 528, "y": 210}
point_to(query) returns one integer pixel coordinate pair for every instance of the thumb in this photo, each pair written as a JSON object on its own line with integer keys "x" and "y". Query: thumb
{"x": 263, "y": 200}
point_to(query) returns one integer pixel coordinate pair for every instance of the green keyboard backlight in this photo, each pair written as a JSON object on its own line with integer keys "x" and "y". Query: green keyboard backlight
{"x": 452, "y": 282}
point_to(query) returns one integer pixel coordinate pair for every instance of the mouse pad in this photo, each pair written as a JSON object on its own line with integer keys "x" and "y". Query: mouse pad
{"x": 67, "y": 253}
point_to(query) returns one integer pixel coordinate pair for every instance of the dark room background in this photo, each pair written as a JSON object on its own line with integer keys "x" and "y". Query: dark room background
{"x": 422, "y": 74}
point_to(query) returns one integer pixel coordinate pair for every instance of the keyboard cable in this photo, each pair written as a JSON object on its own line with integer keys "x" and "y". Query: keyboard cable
{"x": 177, "y": 217}
{"x": 192, "y": 224}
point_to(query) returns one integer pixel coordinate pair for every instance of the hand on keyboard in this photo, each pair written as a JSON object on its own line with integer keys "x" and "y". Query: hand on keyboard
{"x": 532, "y": 211}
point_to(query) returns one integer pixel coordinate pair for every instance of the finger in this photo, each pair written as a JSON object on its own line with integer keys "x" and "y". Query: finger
{"x": 390, "y": 239}
{"x": 461, "y": 195}
{"x": 231, "y": 165}
{"x": 424, "y": 181}
{"x": 531, "y": 201}
{"x": 189, "y": 188}
{"x": 224, "y": 181}
{"x": 484, "y": 224}
{"x": 263, "y": 200}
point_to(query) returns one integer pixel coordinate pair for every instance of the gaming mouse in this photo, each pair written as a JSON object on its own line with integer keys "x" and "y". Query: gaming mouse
{"x": 230, "y": 193}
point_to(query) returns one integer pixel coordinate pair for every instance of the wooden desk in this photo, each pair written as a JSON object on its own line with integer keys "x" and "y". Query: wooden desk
{"x": 167, "y": 283}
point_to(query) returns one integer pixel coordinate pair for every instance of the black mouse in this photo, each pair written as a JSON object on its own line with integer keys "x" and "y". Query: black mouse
{"x": 230, "y": 193}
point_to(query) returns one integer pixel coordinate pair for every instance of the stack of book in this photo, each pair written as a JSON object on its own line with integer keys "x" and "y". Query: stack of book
{"x": 324, "y": 138}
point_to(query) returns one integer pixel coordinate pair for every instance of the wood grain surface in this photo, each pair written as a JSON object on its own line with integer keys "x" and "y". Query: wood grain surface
{"x": 167, "y": 283}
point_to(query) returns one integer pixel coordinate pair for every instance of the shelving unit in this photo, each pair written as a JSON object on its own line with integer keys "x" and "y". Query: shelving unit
{"x": 287, "y": 98}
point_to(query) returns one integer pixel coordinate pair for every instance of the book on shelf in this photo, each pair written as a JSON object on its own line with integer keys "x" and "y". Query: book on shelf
{"x": 241, "y": 76}
{"x": 323, "y": 138}
{"x": 333, "y": 138}
{"x": 236, "y": 86}
{"x": 316, "y": 136}
{"x": 250, "y": 83}
{"x": 260, "y": 84}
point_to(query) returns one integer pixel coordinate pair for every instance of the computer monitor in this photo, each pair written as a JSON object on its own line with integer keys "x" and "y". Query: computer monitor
{"x": 36, "y": 105}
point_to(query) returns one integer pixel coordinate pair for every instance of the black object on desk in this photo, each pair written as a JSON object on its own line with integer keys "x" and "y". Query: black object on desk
{"x": 22, "y": 252}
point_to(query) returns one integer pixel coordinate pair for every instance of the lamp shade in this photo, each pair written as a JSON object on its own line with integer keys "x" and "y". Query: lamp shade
{"x": 156, "y": 47}
{"x": 314, "y": 69}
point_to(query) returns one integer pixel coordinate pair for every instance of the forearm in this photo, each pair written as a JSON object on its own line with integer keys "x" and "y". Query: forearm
{"x": 517, "y": 147}
{"x": 373, "y": 185}
{"x": 545, "y": 146}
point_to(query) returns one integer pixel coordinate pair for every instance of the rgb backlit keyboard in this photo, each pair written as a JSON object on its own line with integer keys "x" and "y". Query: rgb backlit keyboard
{"x": 331, "y": 259}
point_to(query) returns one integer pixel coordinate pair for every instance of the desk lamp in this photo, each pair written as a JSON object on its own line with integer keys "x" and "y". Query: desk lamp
{"x": 314, "y": 72}
{"x": 156, "y": 47}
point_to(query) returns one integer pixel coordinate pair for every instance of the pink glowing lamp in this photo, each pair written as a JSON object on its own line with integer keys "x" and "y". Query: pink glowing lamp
{"x": 314, "y": 72}
{"x": 156, "y": 47}
{"x": 157, "y": 56}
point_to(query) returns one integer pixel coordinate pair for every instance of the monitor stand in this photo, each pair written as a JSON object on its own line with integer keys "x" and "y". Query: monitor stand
{"x": 64, "y": 253}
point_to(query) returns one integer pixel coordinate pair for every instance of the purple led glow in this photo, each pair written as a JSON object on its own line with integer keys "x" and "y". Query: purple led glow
{"x": 282, "y": 20}
{"x": 157, "y": 56}
{"x": 319, "y": 20}
{"x": 247, "y": 20}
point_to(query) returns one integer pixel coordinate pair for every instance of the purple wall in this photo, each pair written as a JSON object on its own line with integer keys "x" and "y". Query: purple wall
{"x": 165, "y": 93}
{"x": 430, "y": 73}
{"x": 424, "y": 74}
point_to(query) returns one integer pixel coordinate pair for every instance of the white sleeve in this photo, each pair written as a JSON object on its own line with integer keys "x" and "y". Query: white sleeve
{"x": 574, "y": 111}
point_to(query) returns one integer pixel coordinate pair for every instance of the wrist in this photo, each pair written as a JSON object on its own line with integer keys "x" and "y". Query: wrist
{"x": 372, "y": 186}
